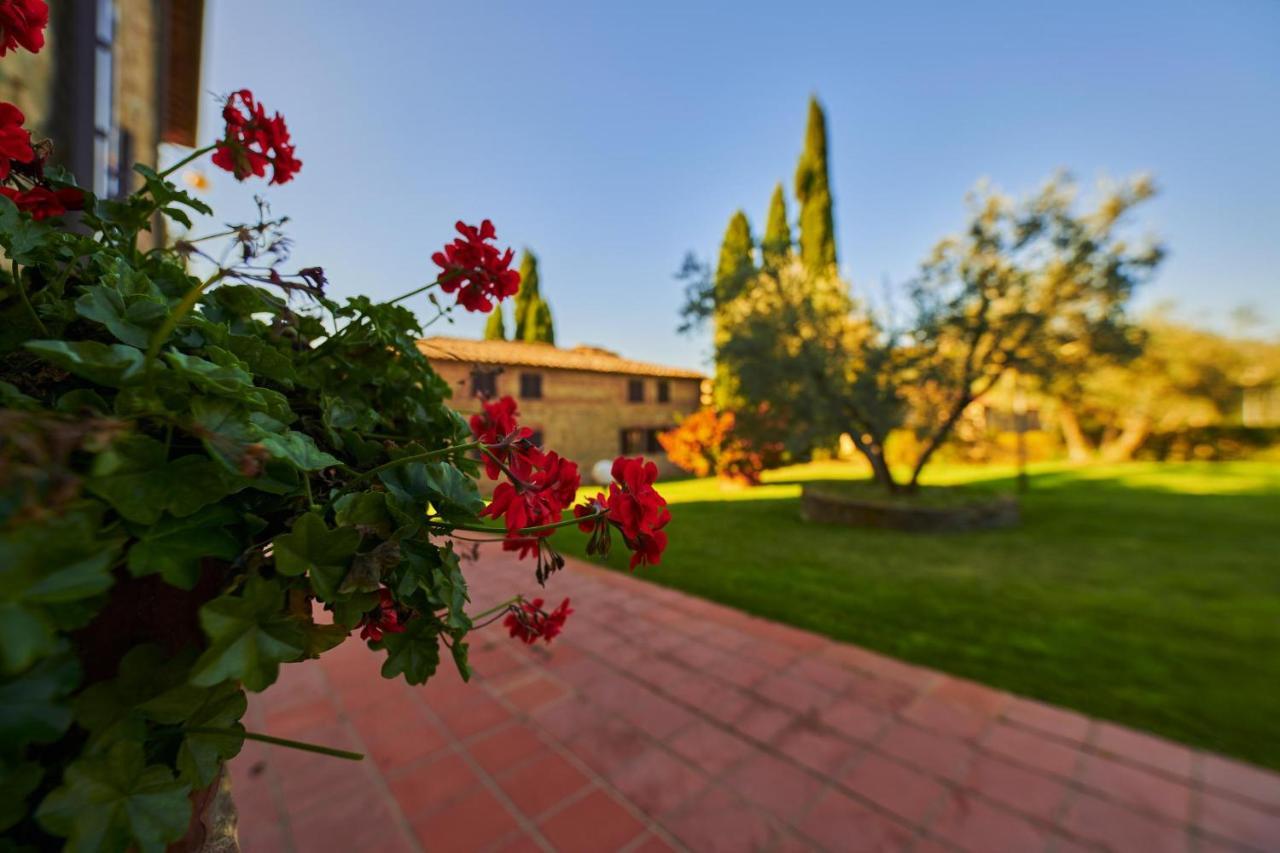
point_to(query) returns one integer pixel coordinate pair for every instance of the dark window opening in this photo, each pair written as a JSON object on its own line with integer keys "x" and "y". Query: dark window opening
{"x": 631, "y": 441}
{"x": 664, "y": 391}
{"x": 484, "y": 384}
{"x": 531, "y": 386}
{"x": 635, "y": 390}
{"x": 651, "y": 442}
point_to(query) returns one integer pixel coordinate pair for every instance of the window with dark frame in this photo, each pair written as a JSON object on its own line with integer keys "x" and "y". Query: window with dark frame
{"x": 651, "y": 443}
{"x": 484, "y": 384}
{"x": 631, "y": 441}
{"x": 635, "y": 390}
{"x": 664, "y": 391}
{"x": 531, "y": 386}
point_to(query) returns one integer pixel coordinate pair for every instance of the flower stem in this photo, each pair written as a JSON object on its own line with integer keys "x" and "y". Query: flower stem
{"x": 277, "y": 741}
{"x": 492, "y": 610}
{"x": 568, "y": 522}
{"x": 175, "y": 316}
{"x": 26, "y": 303}
{"x": 199, "y": 152}
{"x": 417, "y": 457}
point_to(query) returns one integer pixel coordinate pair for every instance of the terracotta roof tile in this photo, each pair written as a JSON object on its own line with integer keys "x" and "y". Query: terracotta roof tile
{"x": 592, "y": 359}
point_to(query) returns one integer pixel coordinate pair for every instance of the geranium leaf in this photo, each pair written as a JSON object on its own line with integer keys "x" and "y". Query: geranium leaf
{"x": 300, "y": 449}
{"x": 113, "y": 365}
{"x": 33, "y": 706}
{"x": 113, "y": 801}
{"x": 250, "y": 635}
{"x": 312, "y": 548}
{"x": 414, "y": 652}
{"x": 174, "y": 547}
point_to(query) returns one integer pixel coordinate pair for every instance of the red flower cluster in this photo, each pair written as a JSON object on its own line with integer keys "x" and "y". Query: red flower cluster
{"x": 540, "y": 484}
{"x": 497, "y": 429}
{"x": 19, "y": 159}
{"x": 252, "y": 141}
{"x": 530, "y": 622}
{"x": 383, "y": 619}
{"x": 634, "y": 507}
{"x": 474, "y": 267}
{"x": 22, "y": 24}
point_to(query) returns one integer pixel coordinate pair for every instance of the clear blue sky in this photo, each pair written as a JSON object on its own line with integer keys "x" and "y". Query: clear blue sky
{"x": 613, "y": 137}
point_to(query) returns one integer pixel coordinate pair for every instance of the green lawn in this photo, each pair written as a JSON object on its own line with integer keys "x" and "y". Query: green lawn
{"x": 1148, "y": 594}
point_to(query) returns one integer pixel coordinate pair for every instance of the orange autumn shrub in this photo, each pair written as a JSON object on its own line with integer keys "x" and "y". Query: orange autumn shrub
{"x": 705, "y": 443}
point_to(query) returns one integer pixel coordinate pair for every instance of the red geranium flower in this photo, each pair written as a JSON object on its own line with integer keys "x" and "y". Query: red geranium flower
{"x": 529, "y": 622}
{"x": 252, "y": 141}
{"x": 634, "y": 507}
{"x": 15, "y": 140}
{"x": 383, "y": 619}
{"x": 42, "y": 202}
{"x": 22, "y": 24}
{"x": 474, "y": 268}
{"x": 546, "y": 487}
{"x": 497, "y": 429}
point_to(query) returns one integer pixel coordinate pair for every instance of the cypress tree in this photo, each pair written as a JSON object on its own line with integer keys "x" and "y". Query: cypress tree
{"x": 813, "y": 190}
{"x": 495, "y": 329}
{"x": 737, "y": 258}
{"x": 776, "y": 244}
{"x": 528, "y": 295}
{"x": 733, "y": 273}
{"x": 541, "y": 329}
{"x": 533, "y": 314}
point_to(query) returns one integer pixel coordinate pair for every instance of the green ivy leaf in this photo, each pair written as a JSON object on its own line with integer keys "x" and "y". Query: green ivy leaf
{"x": 299, "y": 449}
{"x": 218, "y": 707}
{"x": 114, "y": 801}
{"x": 250, "y": 635}
{"x": 263, "y": 358}
{"x": 113, "y": 365}
{"x": 34, "y": 706}
{"x": 17, "y": 781}
{"x": 414, "y": 653}
{"x": 106, "y": 305}
{"x": 227, "y": 380}
{"x": 110, "y": 710}
{"x": 454, "y": 493}
{"x": 48, "y": 564}
{"x": 174, "y": 547}
{"x": 363, "y": 509}
{"x": 312, "y": 547}
{"x": 135, "y": 478}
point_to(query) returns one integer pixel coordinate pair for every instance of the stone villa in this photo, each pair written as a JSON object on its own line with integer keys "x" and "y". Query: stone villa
{"x": 586, "y": 403}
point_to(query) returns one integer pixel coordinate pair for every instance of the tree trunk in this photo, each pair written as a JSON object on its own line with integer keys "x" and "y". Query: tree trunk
{"x": 935, "y": 440}
{"x": 1135, "y": 431}
{"x": 1078, "y": 448}
{"x": 873, "y": 451}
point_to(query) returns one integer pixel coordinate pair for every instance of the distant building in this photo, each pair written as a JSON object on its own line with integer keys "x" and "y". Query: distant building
{"x": 115, "y": 80}
{"x": 586, "y": 403}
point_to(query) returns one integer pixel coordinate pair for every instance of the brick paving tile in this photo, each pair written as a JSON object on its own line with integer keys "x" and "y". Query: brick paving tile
{"x": 818, "y": 748}
{"x": 1033, "y": 750}
{"x": 940, "y": 754}
{"x": 426, "y": 787}
{"x": 1238, "y": 822}
{"x": 665, "y": 722}
{"x": 541, "y": 783}
{"x": 1047, "y": 719}
{"x": 720, "y": 822}
{"x": 1027, "y": 791}
{"x": 470, "y": 823}
{"x": 1143, "y": 749}
{"x": 1252, "y": 783}
{"x": 775, "y": 785}
{"x": 708, "y": 746}
{"x": 908, "y": 793}
{"x": 837, "y": 822}
{"x": 1139, "y": 789}
{"x": 1121, "y": 829}
{"x": 591, "y": 824}
{"x": 973, "y": 825}
{"x": 659, "y": 784}
{"x": 502, "y": 748}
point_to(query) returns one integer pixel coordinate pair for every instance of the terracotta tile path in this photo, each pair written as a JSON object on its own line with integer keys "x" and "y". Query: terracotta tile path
{"x": 661, "y": 721}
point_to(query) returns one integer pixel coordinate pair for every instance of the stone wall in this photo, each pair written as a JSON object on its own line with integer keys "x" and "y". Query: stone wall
{"x": 581, "y": 414}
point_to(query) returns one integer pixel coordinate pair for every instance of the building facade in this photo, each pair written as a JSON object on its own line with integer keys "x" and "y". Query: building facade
{"x": 116, "y": 79}
{"x": 586, "y": 403}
